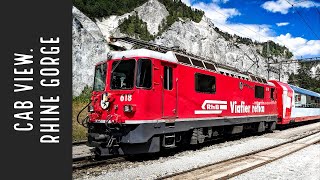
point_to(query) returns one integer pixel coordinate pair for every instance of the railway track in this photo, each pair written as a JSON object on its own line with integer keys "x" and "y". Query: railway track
{"x": 78, "y": 143}
{"x": 240, "y": 164}
{"x": 90, "y": 161}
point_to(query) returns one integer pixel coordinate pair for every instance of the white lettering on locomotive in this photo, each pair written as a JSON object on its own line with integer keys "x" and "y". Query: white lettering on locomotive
{"x": 239, "y": 108}
{"x": 212, "y": 107}
{"x": 257, "y": 108}
{"x": 126, "y": 97}
{"x": 217, "y": 107}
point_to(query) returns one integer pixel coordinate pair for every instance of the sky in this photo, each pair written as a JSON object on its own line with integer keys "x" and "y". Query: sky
{"x": 293, "y": 23}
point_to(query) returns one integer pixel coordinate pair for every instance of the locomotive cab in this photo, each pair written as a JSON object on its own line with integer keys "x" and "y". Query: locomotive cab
{"x": 120, "y": 92}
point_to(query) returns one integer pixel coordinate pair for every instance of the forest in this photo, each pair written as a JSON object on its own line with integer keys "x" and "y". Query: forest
{"x": 304, "y": 77}
{"x": 102, "y": 8}
{"x": 135, "y": 27}
{"x": 177, "y": 9}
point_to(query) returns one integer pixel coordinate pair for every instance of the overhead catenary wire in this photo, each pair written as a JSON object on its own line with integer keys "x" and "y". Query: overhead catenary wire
{"x": 316, "y": 8}
{"x": 302, "y": 60}
{"x": 238, "y": 24}
{"x": 308, "y": 1}
{"x": 239, "y": 33}
{"x": 303, "y": 20}
{"x": 269, "y": 68}
{"x": 267, "y": 38}
{"x": 254, "y": 62}
{"x": 300, "y": 1}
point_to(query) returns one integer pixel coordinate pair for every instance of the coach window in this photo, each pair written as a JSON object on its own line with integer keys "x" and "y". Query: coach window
{"x": 272, "y": 94}
{"x": 144, "y": 73}
{"x": 205, "y": 83}
{"x": 259, "y": 92}
{"x": 167, "y": 80}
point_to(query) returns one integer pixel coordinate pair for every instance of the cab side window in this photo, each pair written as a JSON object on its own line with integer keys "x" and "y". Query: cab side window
{"x": 272, "y": 94}
{"x": 167, "y": 79}
{"x": 259, "y": 92}
{"x": 205, "y": 83}
{"x": 144, "y": 74}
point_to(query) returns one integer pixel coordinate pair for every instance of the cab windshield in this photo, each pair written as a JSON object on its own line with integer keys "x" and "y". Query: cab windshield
{"x": 122, "y": 74}
{"x": 100, "y": 77}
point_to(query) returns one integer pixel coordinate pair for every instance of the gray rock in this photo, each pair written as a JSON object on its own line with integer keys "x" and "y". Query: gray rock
{"x": 152, "y": 13}
{"x": 88, "y": 48}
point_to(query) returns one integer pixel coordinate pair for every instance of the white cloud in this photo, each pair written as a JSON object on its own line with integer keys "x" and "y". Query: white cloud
{"x": 282, "y": 6}
{"x": 220, "y": 16}
{"x": 187, "y": 2}
{"x": 299, "y": 46}
{"x": 259, "y": 32}
{"x": 214, "y": 12}
{"x": 220, "y": 1}
{"x": 253, "y": 31}
{"x": 282, "y": 24}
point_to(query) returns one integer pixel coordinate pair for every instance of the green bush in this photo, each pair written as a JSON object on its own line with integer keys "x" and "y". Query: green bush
{"x": 103, "y": 8}
{"x": 303, "y": 78}
{"x": 134, "y": 26}
{"x": 275, "y": 49}
{"x": 177, "y": 9}
{"x": 85, "y": 95}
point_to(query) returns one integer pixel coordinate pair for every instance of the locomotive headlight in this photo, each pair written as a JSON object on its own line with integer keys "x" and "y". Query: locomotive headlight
{"x": 129, "y": 108}
{"x": 90, "y": 108}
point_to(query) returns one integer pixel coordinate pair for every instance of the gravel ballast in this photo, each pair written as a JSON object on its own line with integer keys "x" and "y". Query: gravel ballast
{"x": 186, "y": 160}
{"x": 304, "y": 164}
{"x": 80, "y": 151}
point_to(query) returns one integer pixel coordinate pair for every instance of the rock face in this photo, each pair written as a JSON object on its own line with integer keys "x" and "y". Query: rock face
{"x": 89, "y": 43}
{"x": 152, "y": 13}
{"x": 89, "y": 47}
{"x": 315, "y": 71}
{"x": 202, "y": 40}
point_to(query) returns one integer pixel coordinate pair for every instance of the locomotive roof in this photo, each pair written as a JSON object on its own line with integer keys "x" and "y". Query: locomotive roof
{"x": 168, "y": 56}
{"x": 175, "y": 57}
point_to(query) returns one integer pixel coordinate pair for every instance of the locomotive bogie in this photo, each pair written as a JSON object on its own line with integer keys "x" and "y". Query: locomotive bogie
{"x": 151, "y": 137}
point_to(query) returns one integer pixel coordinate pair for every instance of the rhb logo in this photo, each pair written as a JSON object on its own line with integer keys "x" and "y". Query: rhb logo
{"x": 212, "y": 107}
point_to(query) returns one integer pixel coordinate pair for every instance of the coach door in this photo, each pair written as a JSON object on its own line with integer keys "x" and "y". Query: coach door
{"x": 169, "y": 91}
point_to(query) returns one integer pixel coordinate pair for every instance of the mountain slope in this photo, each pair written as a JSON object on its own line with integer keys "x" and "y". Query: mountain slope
{"x": 200, "y": 38}
{"x": 88, "y": 48}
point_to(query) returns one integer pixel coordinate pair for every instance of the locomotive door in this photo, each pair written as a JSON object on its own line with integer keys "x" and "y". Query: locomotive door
{"x": 169, "y": 91}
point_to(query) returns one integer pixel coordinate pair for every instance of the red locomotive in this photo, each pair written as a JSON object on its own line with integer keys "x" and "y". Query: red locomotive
{"x": 145, "y": 100}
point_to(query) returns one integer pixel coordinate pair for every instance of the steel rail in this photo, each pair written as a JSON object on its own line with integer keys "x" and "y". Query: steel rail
{"x": 172, "y": 176}
{"x": 90, "y": 161}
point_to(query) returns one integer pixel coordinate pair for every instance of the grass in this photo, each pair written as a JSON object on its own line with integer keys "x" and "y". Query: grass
{"x": 78, "y": 131}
